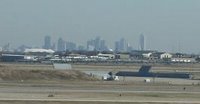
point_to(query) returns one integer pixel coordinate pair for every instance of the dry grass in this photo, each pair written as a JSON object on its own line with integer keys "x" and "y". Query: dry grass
{"x": 8, "y": 73}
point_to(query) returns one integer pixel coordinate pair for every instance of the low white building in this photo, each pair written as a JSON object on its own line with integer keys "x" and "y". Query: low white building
{"x": 106, "y": 56}
{"x": 183, "y": 60}
{"x": 35, "y": 50}
{"x": 166, "y": 56}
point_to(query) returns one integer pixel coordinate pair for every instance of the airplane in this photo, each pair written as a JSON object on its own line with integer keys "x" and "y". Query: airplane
{"x": 144, "y": 71}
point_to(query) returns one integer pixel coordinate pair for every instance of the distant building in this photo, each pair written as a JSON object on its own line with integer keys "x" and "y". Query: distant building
{"x": 142, "y": 42}
{"x": 157, "y": 55}
{"x": 166, "y": 56}
{"x": 117, "y": 46}
{"x": 54, "y": 46}
{"x": 11, "y": 57}
{"x": 61, "y": 45}
{"x": 122, "y": 57}
{"x": 97, "y": 44}
{"x": 183, "y": 60}
{"x": 90, "y": 45}
{"x": 47, "y": 42}
{"x": 121, "y": 45}
{"x": 106, "y": 56}
{"x": 181, "y": 55}
{"x": 103, "y": 46}
{"x": 39, "y": 51}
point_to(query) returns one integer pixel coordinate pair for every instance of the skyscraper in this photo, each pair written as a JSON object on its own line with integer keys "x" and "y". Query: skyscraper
{"x": 117, "y": 46}
{"x": 61, "y": 45}
{"x": 47, "y": 42}
{"x": 90, "y": 45}
{"x": 96, "y": 44}
{"x": 142, "y": 42}
{"x": 103, "y": 46}
{"x": 121, "y": 45}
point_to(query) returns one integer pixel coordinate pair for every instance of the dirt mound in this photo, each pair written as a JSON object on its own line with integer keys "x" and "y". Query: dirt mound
{"x": 7, "y": 74}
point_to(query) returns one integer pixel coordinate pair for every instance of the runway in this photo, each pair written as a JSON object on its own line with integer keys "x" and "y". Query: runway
{"x": 101, "y": 92}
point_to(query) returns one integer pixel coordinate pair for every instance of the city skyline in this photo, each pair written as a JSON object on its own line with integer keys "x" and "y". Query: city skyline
{"x": 54, "y": 44}
{"x": 171, "y": 25}
{"x": 95, "y": 44}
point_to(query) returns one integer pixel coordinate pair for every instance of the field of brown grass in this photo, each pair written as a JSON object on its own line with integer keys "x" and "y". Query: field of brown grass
{"x": 41, "y": 84}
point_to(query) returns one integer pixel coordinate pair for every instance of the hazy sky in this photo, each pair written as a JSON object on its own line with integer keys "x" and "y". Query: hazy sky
{"x": 168, "y": 25}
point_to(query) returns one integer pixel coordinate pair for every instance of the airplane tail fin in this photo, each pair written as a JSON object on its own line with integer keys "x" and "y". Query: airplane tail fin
{"x": 145, "y": 69}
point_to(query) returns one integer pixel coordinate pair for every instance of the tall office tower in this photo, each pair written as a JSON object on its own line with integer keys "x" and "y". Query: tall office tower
{"x": 97, "y": 43}
{"x": 102, "y": 45}
{"x": 121, "y": 45}
{"x": 53, "y": 47}
{"x": 90, "y": 45}
{"x": 142, "y": 42}
{"x": 117, "y": 46}
{"x": 47, "y": 42}
{"x": 61, "y": 45}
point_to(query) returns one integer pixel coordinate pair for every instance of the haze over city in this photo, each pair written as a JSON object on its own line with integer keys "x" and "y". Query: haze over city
{"x": 168, "y": 25}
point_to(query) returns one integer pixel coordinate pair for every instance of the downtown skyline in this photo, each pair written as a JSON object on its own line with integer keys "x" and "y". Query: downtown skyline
{"x": 97, "y": 43}
{"x": 139, "y": 44}
{"x": 171, "y": 25}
